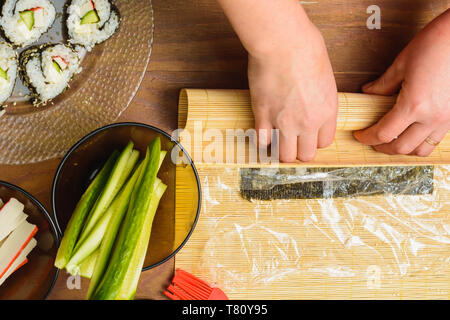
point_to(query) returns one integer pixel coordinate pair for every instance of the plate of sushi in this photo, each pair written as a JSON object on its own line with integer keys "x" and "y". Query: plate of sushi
{"x": 67, "y": 67}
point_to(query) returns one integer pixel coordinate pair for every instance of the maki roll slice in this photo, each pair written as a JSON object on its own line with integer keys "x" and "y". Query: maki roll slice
{"x": 47, "y": 69}
{"x": 24, "y": 21}
{"x": 91, "y": 22}
{"x": 8, "y": 71}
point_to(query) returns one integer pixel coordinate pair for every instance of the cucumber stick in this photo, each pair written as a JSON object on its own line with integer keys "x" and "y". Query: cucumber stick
{"x": 131, "y": 228}
{"x": 130, "y": 282}
{"x": 87, "y": 267}
{"x": 110, "y": 235}
{"x": 111, "y": 232}
{"x": 83, "y": 207}
{"x": 132, "y": 160}
{"x": 93, "y": 240}
{"x": 109, "y": 192}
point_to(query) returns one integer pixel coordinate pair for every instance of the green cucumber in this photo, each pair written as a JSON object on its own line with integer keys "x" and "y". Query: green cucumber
{"x": 111, "y": 232}
{"x": 131, "y": 280}
{"x": 87, "y": 267}
{"x": 130, "y": 166}
{"x": 57, "y": 67}
{"x": 115, "y": 182}
{"x": 131, "y": 228}
{"x": 27, "y": 17}
{"x": 162, "y": 155}
{"x": 108, "y": 240}
{"x": 79, "y": 215}
{"x": 3, "y": 74}
{"x": 90, "y": 17}
{"x": 93, "y": 240}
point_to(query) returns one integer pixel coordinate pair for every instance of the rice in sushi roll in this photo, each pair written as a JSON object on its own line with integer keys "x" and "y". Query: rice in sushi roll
{"x": 8, "y": 71}
{"x": 47, "y": 69}
{"x": 91, "y": 22}
{"x": 24, "y": 21}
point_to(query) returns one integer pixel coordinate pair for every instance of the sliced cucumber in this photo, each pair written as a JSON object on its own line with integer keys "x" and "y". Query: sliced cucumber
{"x": 87, "y": 267}
{"x": 27, "y": 17}
{"x": 115, "y": 182}
{"x": 131, "y": 280}
{"x": 112, "y": 229}
{"x": 56, "y": 66}
{"x": 86, "y": 247}
{"x": 83, "y": 207}
{"x": 131, "y": 228}
{"x": 90, "y": 17}
{"x": 111, "y": 234}
{"x": 3, "y": 74}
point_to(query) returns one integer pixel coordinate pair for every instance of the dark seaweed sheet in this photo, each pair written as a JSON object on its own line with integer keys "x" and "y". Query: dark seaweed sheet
{"x": 319, "y": 183}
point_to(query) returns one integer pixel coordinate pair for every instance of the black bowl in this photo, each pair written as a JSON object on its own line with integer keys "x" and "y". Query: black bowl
{"x": 179, "y": 207}
{"x": 35, "y": 279}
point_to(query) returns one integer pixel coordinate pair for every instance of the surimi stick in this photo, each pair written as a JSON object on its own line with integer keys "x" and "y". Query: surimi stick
{"x": 24, "y": 262}
{"x": 20, "y": 261}
{"x": 11, "y": 216}
{"x": 16, "y": 242}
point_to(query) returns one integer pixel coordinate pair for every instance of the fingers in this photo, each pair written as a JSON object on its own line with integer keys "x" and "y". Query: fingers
{"x": 288, "y": 146}
{"x": 264, "y": 130}
{"x": 407, "y": 142}
{"x": 387, "y": 128}
{"x": 389, "y": 83}
{"x": 326, "y": 133}
{"x": 307, "y": 146}
{"x": 427, "y": 147}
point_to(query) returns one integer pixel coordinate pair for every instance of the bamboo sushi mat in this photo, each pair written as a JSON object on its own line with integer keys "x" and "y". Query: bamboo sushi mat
{"x": 378, "y": 247}
{"x": 214, "y": 111}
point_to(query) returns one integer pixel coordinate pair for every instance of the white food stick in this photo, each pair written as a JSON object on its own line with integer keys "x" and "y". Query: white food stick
{"x": 14, "y": 244}
{"x": 19, "y": 260}
{"x": 11, "y": 216}
{"x": 39, "y": 18}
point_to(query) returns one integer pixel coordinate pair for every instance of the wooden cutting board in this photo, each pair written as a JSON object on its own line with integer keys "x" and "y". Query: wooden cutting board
{"x": 311, "y": 249}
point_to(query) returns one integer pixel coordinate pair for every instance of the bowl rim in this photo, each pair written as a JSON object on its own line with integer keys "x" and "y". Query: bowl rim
{"x": 49, "y": 219}
{"x": 126, "y": 124}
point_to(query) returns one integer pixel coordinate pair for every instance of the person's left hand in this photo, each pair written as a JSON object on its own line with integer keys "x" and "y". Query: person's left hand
{"x": 420, "y": 118}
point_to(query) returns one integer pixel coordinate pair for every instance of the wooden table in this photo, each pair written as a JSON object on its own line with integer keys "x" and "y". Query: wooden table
{"x": 195, "y": 47}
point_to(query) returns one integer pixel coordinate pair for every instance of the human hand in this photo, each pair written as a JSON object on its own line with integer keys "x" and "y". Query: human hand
{"x": 290, "y": 76}
{"x": 293, "y": 89}
{"x": 420, "y": 118}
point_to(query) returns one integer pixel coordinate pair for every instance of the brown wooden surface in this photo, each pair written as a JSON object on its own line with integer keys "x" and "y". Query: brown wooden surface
{"x": 195, "y": 47}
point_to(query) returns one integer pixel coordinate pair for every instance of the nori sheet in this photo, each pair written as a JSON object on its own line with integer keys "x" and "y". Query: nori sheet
{"x": 321, "y": 183}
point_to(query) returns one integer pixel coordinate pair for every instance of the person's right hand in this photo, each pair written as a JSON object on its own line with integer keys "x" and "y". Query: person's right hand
{"x": 293, "y": 89}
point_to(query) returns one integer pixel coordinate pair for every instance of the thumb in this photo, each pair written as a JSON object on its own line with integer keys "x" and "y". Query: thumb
{"x": 389, "y": 83}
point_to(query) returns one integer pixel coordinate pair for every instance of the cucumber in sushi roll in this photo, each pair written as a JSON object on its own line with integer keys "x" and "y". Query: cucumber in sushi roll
{"x": 24, "y": 21}
{"x": 47, "y": 69}
{"x": 8, "y": 71}
{"x": 91, "y": 22}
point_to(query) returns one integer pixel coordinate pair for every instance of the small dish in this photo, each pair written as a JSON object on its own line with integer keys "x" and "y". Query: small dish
{"x": 179, "y": 207}
{"x": 35, "y": 279}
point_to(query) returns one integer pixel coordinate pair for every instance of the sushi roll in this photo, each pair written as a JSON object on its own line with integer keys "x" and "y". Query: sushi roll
{"x": 24, "y": 21}
{"x": 8, "y": 71}
{"x": 91, "y": 22}
{"x": 47, "y": 69}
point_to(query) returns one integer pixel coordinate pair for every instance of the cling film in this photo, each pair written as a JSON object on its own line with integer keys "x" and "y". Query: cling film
{"x": 314, "y": 183}
{"x": 393, "y": 243}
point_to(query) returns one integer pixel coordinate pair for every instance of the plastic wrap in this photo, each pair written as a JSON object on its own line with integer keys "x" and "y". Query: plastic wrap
{"x": 381, "y": 245}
